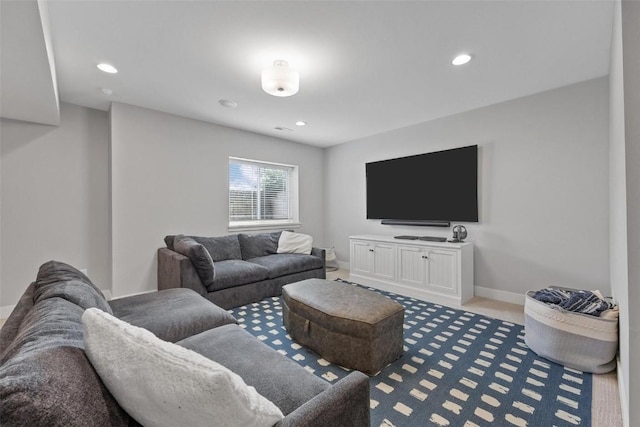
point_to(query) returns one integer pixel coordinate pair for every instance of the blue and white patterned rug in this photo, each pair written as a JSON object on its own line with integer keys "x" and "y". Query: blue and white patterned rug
{"x": 458, "y": 369}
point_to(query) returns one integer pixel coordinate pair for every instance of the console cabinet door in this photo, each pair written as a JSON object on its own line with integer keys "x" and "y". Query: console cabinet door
{"x": 361, "y": 257}
{"x": 442, "y": 271}
{"x": 412, "y": 265}
{"x": 384, "y": 261}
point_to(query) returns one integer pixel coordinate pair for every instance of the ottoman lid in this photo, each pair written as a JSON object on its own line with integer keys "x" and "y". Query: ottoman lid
{"x": 341, "y": 307}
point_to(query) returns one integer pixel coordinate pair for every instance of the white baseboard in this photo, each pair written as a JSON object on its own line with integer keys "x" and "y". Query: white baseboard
{"x": 344, "y": 265}
{"x": 624, "y": 403}
{"x": 478, "y": 291}
{"x": 409, "y": 291}
{"x": 6, "y": 310}
{"x": 498, "y": 295}
{"x": 132, "y": 295}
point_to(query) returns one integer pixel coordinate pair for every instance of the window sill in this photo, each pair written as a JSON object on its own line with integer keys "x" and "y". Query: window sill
{"x": 263, "y": 227}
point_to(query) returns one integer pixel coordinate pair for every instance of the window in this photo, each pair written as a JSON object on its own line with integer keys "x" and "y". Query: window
{"x": 262, "y": 195}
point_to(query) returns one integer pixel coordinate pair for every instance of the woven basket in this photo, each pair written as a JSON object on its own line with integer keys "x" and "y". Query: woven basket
{"x": 575, "y": 340}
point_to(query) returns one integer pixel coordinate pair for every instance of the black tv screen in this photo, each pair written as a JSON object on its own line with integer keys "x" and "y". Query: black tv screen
{"x": 438, "y": 186}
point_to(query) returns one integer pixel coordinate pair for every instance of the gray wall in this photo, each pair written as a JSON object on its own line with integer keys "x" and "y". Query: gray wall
{"x": 543, "y": 188}
{"x": 169, "y": 175}
{"x": 625, "y": 197}
{"x": 54, "y": 198}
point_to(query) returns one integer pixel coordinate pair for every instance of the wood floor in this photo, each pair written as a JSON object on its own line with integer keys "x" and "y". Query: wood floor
{"x": 605, "y": 402}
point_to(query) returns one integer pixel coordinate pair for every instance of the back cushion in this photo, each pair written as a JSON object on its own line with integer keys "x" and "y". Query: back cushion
{"x": 221, "y": 248}
{"x": 257, "y": 245}
{"x": 45, "y": 376}
{"x": 59, "y": 280}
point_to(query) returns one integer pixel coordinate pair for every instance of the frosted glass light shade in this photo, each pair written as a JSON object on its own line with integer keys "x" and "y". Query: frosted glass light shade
{"x": 280, "y": 80}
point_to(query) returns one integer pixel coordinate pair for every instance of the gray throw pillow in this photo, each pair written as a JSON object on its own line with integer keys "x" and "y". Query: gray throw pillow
{"x": 168, "y": 240}
{"x": 198, "y": 255}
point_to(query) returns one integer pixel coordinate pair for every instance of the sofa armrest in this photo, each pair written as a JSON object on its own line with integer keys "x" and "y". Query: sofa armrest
{"x": 320, "y": 253}
{"x": 177, "y": 271}
{"x": 345, "y": 404}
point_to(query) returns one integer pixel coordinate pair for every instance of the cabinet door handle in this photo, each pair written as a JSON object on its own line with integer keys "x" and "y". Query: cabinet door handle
{"x": 370, "y": 250}
{"x": 425, "y": 257}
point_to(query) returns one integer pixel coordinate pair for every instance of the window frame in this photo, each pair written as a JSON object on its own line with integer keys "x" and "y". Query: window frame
{"x": 266, "y": 224}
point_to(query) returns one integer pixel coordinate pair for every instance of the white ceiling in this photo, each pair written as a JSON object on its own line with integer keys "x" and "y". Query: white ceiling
{"x": 365, "y": 66}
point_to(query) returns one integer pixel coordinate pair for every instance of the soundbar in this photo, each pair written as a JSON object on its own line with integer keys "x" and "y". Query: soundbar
{"x": 421, "y": 223}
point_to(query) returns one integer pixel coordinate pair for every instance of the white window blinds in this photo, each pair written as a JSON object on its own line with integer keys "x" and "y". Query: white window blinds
{"x": 259, "y": 192}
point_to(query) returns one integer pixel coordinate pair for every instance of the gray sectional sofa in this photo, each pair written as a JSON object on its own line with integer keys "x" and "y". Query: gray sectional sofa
{"x": 246, "y": 267}
{"x": 46, "y": 378}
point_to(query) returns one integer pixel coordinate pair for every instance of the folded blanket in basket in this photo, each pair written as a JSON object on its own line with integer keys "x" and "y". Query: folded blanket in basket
{"x": 585, "y": 302}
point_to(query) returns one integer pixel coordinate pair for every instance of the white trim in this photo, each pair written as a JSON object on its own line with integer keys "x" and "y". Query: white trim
{"x": 624, "y": 403}
{"x": 6, "y": 310}
{"x": 264, "y": 226}
{"x": 263, "y": 162}
{"x": 498, "y": 295}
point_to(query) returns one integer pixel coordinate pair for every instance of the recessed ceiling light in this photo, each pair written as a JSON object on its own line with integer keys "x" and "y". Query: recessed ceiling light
{"x": 461, "y": 59}
{"x": 106, "y": 91}
{"x": 228, "y": 103}
{"x": 107, "y": 68}
{"x": 301, "y": 123}
{"x": 283, "y": 129}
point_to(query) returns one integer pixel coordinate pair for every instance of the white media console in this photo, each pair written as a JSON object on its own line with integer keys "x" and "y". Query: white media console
{"x": 433, "y": 271}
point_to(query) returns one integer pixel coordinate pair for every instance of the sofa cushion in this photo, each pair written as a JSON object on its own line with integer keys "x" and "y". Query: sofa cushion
{"x": 284, "y": 264}
{"x": 220, "y": 248}
{"x": 198, "y": 255}
{"x": 59, "y": 280}
{"x": 235, "y": 272}
{"x": 190, "y": 314}
{"x": 163, "y": 384}
{"x": 257, "y": 245}
{"x": 46, "y": 378}
{"x": 295, "y": 243}
{"x": 283, "y": 382}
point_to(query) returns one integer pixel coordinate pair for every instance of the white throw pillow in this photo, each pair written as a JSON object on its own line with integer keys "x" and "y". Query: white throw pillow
{"x": 162, "y": 384}
{"x": 294, "y": 243}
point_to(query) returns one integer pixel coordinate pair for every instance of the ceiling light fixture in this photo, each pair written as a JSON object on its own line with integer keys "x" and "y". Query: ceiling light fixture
{"x": 107, "y": 68}
{"x": 228, "y": 103}
{"x": 461, "y": 59}
{"x": 301, "y": 123}
{"x": 283, "y": 129}
{"x": 280, "y": 80}
{"x": 106, "y": 91}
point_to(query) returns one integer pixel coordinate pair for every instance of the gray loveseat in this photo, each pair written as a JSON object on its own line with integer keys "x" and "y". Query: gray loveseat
{"x": 246, "y": 268}
{"x": 46, "y": 378}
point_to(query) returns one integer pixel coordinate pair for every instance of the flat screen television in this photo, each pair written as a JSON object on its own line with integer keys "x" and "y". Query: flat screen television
{"x": 438, "y": 186}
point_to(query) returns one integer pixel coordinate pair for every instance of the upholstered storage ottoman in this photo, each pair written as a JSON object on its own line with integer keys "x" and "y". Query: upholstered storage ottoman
{"x": 349, "y": 326}
{"x": 575, "y": 340}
